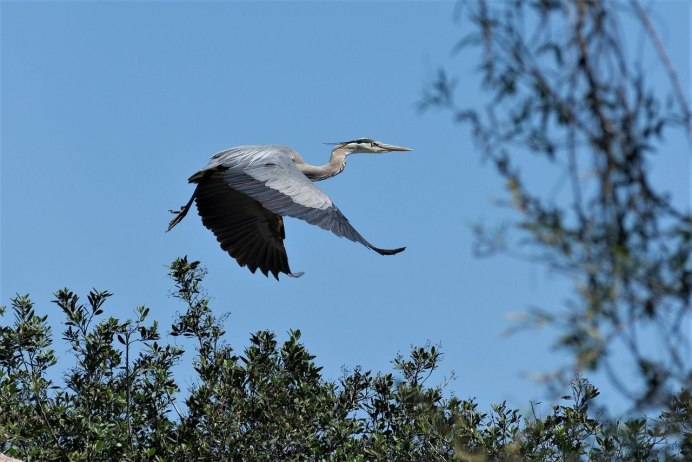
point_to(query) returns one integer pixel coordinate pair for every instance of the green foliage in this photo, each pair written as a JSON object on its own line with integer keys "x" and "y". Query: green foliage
{"x": 120, "y": 402}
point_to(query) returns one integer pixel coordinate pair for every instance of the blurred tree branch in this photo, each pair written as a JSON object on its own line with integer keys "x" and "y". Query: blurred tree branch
{"x": 562, "y": 87}
{"x": 270, "y": 401}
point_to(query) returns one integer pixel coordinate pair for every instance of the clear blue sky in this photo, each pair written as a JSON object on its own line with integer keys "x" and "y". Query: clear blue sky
{"x": 107, "y": 108}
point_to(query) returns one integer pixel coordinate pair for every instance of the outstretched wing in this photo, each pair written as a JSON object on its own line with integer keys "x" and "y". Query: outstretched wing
{"x": 247, "y": 231}
{"x": 269, "y": 175}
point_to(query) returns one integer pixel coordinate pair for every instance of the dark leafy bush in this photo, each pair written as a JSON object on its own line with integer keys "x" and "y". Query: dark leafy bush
{"x": 120, "y": 399}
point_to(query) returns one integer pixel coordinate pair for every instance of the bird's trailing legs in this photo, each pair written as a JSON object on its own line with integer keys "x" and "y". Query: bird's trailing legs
{"x": 180, "y": 214}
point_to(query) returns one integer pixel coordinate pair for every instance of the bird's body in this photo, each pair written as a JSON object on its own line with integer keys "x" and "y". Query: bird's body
{"x": 243, "y": 193}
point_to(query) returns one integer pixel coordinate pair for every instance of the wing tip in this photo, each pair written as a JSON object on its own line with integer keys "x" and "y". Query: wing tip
{"x": 389, "y": 251}
{"x": 289, "y": 274}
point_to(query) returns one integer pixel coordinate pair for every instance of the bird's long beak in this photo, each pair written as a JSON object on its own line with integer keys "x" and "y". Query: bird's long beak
{"x": 391, "y": 147}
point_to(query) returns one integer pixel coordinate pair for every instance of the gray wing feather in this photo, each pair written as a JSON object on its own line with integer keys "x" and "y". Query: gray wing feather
{"x": 272, "y": 179}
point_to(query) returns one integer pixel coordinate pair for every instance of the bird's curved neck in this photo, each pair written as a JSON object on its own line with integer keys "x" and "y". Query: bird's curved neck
{"x": 336, "y": 164}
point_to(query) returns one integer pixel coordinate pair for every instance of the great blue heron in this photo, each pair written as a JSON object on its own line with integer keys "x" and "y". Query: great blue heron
{"x": 243, "y": 193}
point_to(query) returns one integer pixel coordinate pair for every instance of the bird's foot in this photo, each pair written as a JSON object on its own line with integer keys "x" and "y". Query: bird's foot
{"x": 179, "y": 215}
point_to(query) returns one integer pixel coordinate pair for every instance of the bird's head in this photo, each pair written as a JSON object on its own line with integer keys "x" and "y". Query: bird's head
{"x": 368, "y": 146}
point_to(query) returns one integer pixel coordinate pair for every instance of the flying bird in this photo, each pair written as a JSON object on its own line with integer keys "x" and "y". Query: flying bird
{"x": 244, "y": 192}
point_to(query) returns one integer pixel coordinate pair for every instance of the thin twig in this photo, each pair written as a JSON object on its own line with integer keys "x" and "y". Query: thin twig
{"x": 672, "y": 74}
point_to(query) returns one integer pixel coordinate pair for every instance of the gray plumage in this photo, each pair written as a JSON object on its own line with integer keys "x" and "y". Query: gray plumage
{"x": 243, "y": 193}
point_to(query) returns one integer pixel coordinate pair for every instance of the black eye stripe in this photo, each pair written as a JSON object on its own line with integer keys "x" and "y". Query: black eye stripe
{"x": 369, "y": 141}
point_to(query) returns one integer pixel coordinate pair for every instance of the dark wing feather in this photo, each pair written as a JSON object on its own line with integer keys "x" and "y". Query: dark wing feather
{"x": 247, "y": 231}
